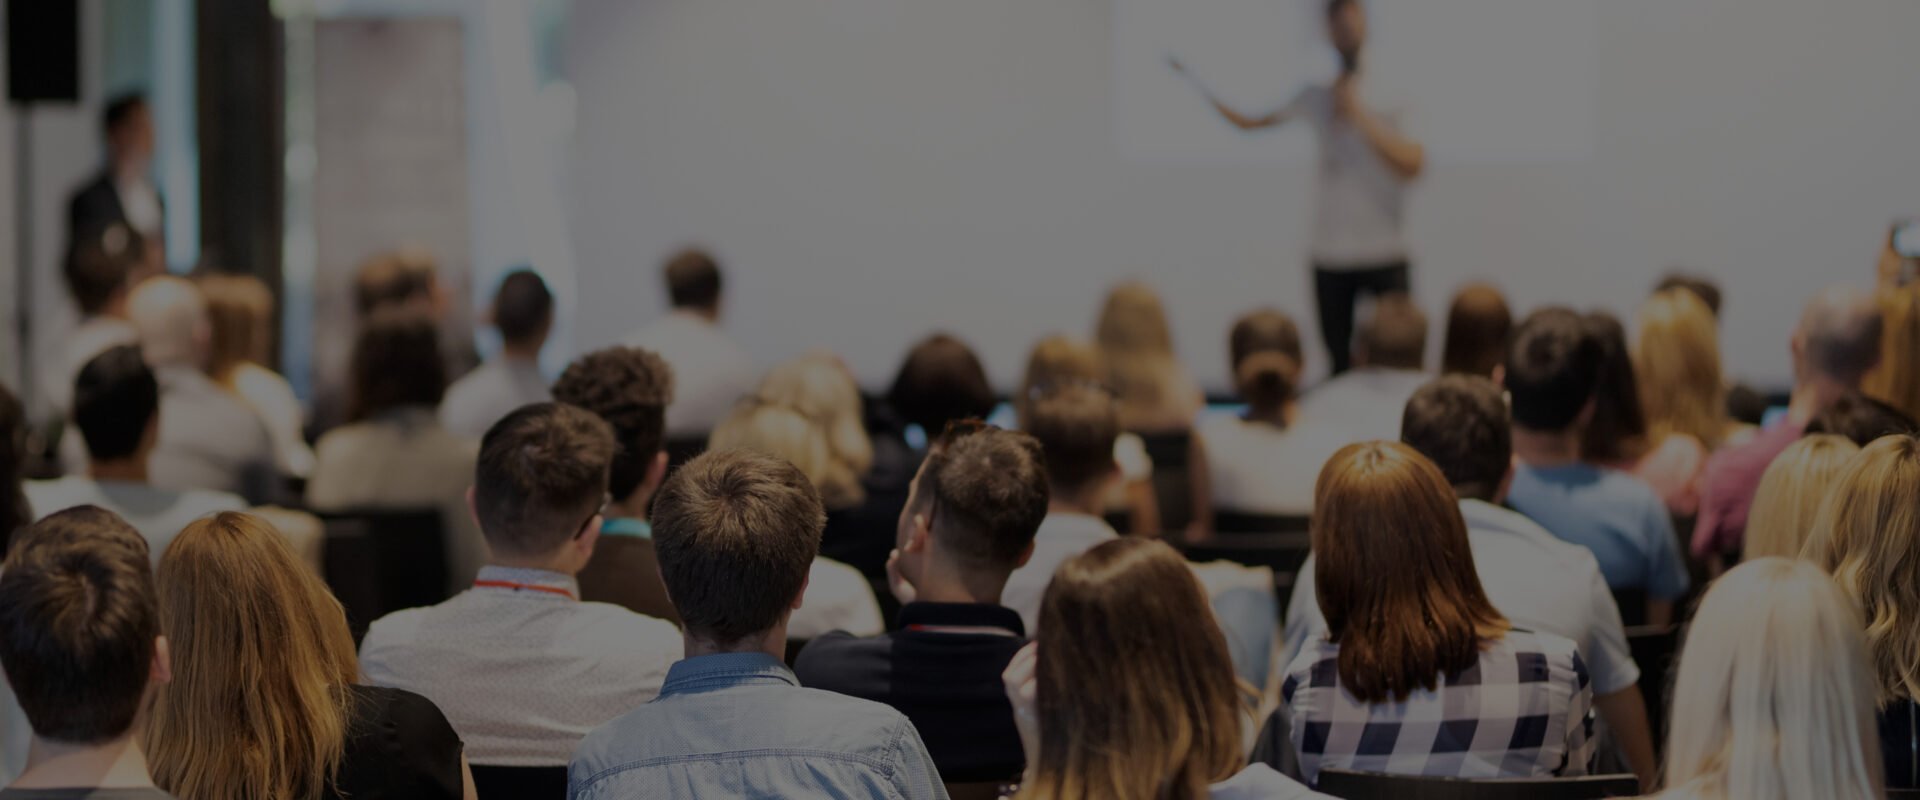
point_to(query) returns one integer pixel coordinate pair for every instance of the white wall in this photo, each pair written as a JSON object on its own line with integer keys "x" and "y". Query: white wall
{"x": 873, "y": 169}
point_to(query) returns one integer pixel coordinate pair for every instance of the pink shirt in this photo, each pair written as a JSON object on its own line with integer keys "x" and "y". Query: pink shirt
{"x": 1726, "y": 490}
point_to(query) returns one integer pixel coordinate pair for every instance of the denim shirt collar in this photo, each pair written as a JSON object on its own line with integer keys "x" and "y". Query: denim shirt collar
{"x": 726, "y": 670}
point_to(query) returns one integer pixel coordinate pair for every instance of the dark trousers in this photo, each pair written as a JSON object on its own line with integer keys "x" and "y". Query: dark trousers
{"x": 1339, "y": 290}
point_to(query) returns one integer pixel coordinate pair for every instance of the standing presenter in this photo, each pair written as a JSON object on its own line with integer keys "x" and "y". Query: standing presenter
{"x": 1367, "y": 160}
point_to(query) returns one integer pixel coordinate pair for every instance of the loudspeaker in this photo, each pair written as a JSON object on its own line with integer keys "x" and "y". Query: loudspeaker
{"x": 43, "y": 50}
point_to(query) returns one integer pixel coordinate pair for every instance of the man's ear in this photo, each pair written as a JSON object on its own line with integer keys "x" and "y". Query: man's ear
{"x": 803, "y": 590}
{"x": 1506, "y": 481}
{"x": 919, "y": 534}
{"x": 589, "y": 537}
{"x": 161, "y": 672}
{"x": 1025, "y": 556}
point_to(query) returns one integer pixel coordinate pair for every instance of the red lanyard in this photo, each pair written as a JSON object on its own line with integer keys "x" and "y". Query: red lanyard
{"x": 978, "y": 630}
{"x": 518, "y": 586}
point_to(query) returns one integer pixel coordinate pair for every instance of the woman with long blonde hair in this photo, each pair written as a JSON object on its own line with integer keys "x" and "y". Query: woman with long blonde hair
{"x": 1058, "y": 361}
{"x": 1676, "y": 361}
{"x": 240, "y": 317}
{"x": 819, "y": 387}
{"x": 1791, "y": 492}
{"x": 1156, "y": 395}
{"x": 265, "y": 702}
{"x": 1774, "y": 698}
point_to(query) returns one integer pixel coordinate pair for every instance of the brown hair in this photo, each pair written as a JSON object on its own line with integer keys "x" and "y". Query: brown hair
{"x": 1677, "y": 364}
{"x": 1395, "y": 336}
{"x": 1478, "y": 325}
{"x": 985, "y": 491}
{"x": 1868, "y": 536}
{"x": 101, "y": 264}
{"x": 1076, "y": 426}
{"x": 630, "y": 388}
{"x": 1264, "y": 350}
{"x": 1054, "y": 362}
{"x": 736, "y": 532}
{"x": 542, "y": 473}
{"x": 14, "y": 513}
{"x": 240, "y": 314}
{"x": 940, "y": 381}
{"x": 262, "y": 667}
{"x": 522, "y": 307}
{"x": 396, "y": 363}
{"x": 1394, "y": 574}
{"x": 1618, "y": 431}
{"x": 394, "y": 278}
{"x": 1134, "y": 686}
{"x": 1459, "y": 422}
{"x": 693, "y": 279}
{"x": 1147, "y": 380}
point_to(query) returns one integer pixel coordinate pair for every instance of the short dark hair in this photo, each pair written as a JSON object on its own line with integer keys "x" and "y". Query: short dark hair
{"x": 693, "y": 279}
{"x": 1335, "y": 6}
{"x": 1553, "y": 369}
{"x": 986, "y": 490}
{"x": 1076, "y": 426}
{"x": 1396, "y": 335}
{"x": 115, "y": 398}
{"x": 630, "y": 388}
{"x": 393, "y": 278}
{"x": 522, "y": 306}
{"x": 1460, "y": 423}
{"x": 121, "y": 108}
{"x": 1263, "y": 349}
{"x": 1862, "y": 419}
{"x": 542, "y": 473}
{"x": 100, "y": 263}
{"x": 14, "y": 511}
{"x": 78, "y": 620}
{"x": 1701, "y": 287}
{"x": 1619, "y": 427}
{"x": 941, "y": 381}
{"x": 736, "y": 532}
{"x": 396, "y": 362}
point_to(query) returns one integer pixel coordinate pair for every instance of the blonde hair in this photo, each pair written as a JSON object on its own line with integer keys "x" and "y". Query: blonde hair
{"x": 1896, "y": 381}
{"x": 1868, "y": 536}
{"x": 1774, "y": 699}
{"x": 822, "y": 429}
{"x": 1790, "y": 494}
{"x": 1677, "y": 361}
{"x": 1057, "y": 361}
{"x": 262, "y": 666}
{"x": 240, "y": 313}
{"x": 1149, "y": 382}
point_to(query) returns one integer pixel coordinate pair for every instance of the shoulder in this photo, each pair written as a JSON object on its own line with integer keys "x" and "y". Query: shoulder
{"x": 406, "y": 711}
{"x": 394, "y": 630}
{"x": 207, "y": 501}
{"x": 1540, "y": 656}
{"x": 1262, "y": 782}
{"x": 58, "y": 494}
{"x": 826, "y": 661}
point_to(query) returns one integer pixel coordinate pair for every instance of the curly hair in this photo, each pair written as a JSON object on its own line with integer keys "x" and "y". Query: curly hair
{"x": 630, "y": 388}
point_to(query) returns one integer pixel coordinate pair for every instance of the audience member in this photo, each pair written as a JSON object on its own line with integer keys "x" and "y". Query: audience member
{"x": 403, "y": 279}
{"x": 710, "y": 371}
{"x": 116, "y": 405}
{"x": 240, "y": 310}
{"x": 1264, "y": 460}
{"x": 81, "y": 643}
{"x": 208, "y": 439}
{"x": 15, "y": 511}
{"x": 1774, "y": 697}
{"x": 941, "y": 381}
{"x": 1836, "y": 344}
{"x": 1076, "y": 426}
{"x": 817, "y": 386}
{"x": 1388, "y": 353}
{"x": 1860, "y": 418}
{"x": 392, "y": 454}
{"x": 1155, "y": 395}
{"x": 630, "y": 389}
{"x": 1616, "y": 435}
{"x": 1897, "y": 378}
{"x": 101, "y": 270}
{"x": 1058, "y": 361}
{"x": 1553, "y": 377}
{"x": 737, "y": 533}
{"x": 1677, "y": 362}
{"x": 1129, "y": 692}
{"x": 1537, "y": 582}
{"x": 265, "y": 700}
{"x": 1745, "y": 406}
{"x": 969, "y": 523}
{"x": 1478, "y": 325}
{"x": 1791, "y": 491}
{"x": 523, "y": 313}
{"x": 1867, "y": 535}
{"x": 1412, "y": 636}
{"x": 521, "y": 666}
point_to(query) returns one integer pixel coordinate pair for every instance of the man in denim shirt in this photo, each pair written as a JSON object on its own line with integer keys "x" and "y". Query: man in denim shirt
{"x": 736, "y": 532}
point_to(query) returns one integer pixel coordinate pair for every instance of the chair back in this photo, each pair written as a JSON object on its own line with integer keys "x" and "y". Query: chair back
{"x": 1376, "y": 786}
{"x": 520, "y": 783}
{"x": 1903, "y": 794}
{"x": 1654, "y": 649}
{"x": 378, "y": 562}
{"x": 1284, "y": 553}
{"x": 1633, "y": 606}
{"x": 1172, "y": 476}
{"x": 1227, "y": 521}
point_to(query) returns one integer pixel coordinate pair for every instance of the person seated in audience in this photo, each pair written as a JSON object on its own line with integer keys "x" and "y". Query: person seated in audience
{"x": 266, "y": 698}
{"x": 737, "y": 532}
{"x": 1677, "y": 364}
{"x": 83, "y": 651}
{"x": 1553, "y": 377}
{"x": 116, "y": 405}
{"x": 1835, "y": 345}
{"x": 240, "y": 310}
{"x": 630, "y": 389}
{"x": 1478, "y": 325}
{"x": 101, "y": 270}
{"x": 941, "y": 381}
{"x": 1897, "y": 379}
{"x": 1076, "y": 426}
{"x": 1389, "y": 353}
{"x": 406, "y": 278}
{"x": 1265, "y": 460}
{"x": 1867, "y": 536}
{"x": 521, "y": 666}
{"x": 1155, "y": 394}
{"x": 15, "y": 511}
{"x": 1100, "y": 716}
{"x": 393, "y": 455}
{"x": 1411, "y": 637}
{"x": 710, "y": 370}
{"x": 1774, "y": 696}
{"x": 523, "y": 313}
{"x": 969, "y": 523}
{"x": 1861, "y": 419}
{"x": 1537, "y": 582}
{"x": 1790, "y": 494}
{"x": 1061, "y": 360}
{"x": 208, "y": 438}
{"x": 1617, "y": 435}
{"x": 1746, "y": 407}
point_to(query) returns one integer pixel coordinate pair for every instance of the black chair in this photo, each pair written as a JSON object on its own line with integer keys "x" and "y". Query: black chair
{"x": 1227, "y": 522}
{"x": 519, "y": 783}
{"x": 1375, "y": 786}
{"x": 1654, "y": 649}
{"x": 1172, "y": 479}
{"x": 378, "y": 562}
{"x": 1903, "y": 794}
{"x": 1633, "y": 606}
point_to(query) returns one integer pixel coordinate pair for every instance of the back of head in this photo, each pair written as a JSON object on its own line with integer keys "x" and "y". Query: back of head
{"x": 171, "y": 318}
{"x": 115, "y": 399}
{"x": 1478, "y": 325}
{"x": 1774, "y": 699}
{"x": 1137, "y": 346}
{"x": 1791, "y": 492}
{"x": 1553, "y": 369}
{"x": 1395, "y": 337}
{"x": 736, "y": 532}
{"x": 1076, "y": 426}
{"x": 693, "y": 280}
{"x": 1897, "y": 379}
{"x": 101, "y": 264}
{"x": 14, "y": 513}
{"x": 262, "y": 662}
{"x": 1057, "y": 361}
{"x": 1264, "y": 350}
{"x": 630, "y": 388}
{"x": 1867, "y": 535}
{"x": 1618, "y": 431}
{"x": 542, "y": 475}
{"x": 396, "y": 363}
{"x": 784, "y": 432}
{"x": 403, "y": 277}
{"x": 1862, "y": 419}
{"x": 1459, "y": 422}
{"x": 1135, "y": 690}
{"x": 1394, "y": 575}
{"x": 1700, "y": 287}
{"x": 820, "y": 387}
{"x": 941, "y": 381}
{"x": 1839, "y": 334}
{"x": 1677, "y": 363}
{"x": 240, "y": 310}
{"x": 522, "y": 308}
{"x": 77, "y": 625}
{"x": 985, "y": 490}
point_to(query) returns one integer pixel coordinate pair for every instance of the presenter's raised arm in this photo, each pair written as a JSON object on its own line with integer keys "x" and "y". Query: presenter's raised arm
{"x": 1407, "y": 157}
{"x": 1239, "y": 120}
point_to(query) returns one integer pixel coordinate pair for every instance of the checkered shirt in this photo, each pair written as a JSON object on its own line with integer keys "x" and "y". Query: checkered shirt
{"x": 1525, "y": 710}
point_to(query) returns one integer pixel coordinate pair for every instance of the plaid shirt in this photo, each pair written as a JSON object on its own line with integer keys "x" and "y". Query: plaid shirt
{"x": 1524, "y": 711}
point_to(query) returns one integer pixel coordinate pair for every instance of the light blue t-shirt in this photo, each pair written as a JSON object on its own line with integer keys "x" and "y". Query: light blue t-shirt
{"x": 1617, "y": 516}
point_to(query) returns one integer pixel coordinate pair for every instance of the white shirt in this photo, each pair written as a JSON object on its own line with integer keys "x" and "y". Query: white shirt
{"x": 710, "y": 371}
{"x": 93, "y": 336}
{"x": 209, "y": 438}
{"x": 1362, "y": 405}
{"x": 141, "y": 204}
{"x": 523, "y": 674}
{"x": 838, "y": 598}
{"x": 1062, "y": 535}
{"x": 1361, "y": 203}
{"x": 1260, "y": 468}
{"x": 272, "y": 397}
{"x": 403, "y": 460}
{"x": 494, "y": 390}
{"x": 1261, "y": 782}
{"x": 158, "y": 514}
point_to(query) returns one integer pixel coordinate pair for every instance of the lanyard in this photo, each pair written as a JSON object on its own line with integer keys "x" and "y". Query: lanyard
{"x": 518, "y": 586}
{"x": 979, "y": 630}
